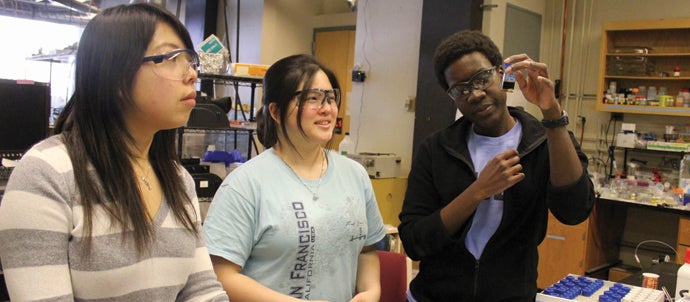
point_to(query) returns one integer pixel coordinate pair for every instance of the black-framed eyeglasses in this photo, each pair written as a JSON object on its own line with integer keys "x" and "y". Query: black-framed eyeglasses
{"x": 315, "y": 98}
{"x": 175, "y": 64}
{"x": 478, "y": 81}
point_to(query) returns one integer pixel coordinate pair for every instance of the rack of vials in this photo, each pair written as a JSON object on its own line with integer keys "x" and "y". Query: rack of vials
{"x": 580, "y": 288}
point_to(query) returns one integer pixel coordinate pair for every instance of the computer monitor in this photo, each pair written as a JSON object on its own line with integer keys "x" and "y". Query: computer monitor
{"x": 24, "y": 115}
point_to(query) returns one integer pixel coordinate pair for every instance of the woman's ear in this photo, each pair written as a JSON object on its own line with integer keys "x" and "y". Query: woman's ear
{"x": 274, "y": 112}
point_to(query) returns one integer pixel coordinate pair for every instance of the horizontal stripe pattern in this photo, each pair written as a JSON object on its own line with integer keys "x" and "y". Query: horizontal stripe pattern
{"x": 42, "y": 250}
{"x": 38, "y": 282}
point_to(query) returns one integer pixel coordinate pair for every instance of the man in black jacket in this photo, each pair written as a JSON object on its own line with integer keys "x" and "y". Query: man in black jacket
{"x": 479, "y": 191}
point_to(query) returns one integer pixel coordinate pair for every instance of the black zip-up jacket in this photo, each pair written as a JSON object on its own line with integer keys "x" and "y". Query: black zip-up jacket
{"x": 507, "y": 269}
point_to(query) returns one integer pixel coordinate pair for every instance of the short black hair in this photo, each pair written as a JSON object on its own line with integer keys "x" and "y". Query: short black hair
{"x": 459, "y": 44}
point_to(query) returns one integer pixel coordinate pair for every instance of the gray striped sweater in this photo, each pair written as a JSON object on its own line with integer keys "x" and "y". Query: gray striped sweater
{"x": 41, "y": 224}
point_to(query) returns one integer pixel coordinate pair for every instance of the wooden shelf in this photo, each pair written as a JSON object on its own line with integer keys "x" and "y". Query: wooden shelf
{"x": 651, "y": 55}
{"x": 231, "y": 78}
{"x": 248, "y": 125}
{"x": 54, "y": 58}
{"x": 614, "y": 77}
{"x": 668, "y": 47}
{"x": 675, "y": 111}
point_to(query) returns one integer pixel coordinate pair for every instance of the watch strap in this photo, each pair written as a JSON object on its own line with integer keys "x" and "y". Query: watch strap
{"x": 559, "y": 122}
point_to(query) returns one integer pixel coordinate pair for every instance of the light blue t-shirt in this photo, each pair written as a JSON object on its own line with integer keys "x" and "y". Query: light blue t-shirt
{"x": 264, "y": 219}
{"x": 490, "y": 211}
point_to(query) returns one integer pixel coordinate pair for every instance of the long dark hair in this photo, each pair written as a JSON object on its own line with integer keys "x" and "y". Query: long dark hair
{"x": 281, "y": 81}
{"x": 111, "y": 50}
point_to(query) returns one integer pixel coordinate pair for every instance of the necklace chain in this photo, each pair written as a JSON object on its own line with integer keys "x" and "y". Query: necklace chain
{"x": 314, "y": 192}
{"x": 146, "y": 182}
{"x": 145, "y": 179}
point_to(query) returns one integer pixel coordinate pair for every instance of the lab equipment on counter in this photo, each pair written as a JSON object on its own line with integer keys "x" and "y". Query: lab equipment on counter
{"x": 378, "y": 165}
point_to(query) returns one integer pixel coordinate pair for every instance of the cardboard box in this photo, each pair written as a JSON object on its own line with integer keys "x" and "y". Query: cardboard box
{"x": 252, "y": 70}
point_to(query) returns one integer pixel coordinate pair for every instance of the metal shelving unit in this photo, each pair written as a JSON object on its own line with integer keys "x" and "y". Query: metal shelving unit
{"x": 243, "y": 123}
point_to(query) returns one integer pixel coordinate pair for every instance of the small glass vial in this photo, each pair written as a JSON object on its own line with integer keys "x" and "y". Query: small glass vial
{"x": 630, "y": 99}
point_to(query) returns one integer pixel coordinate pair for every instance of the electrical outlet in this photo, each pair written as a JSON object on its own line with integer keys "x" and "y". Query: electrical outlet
{"x": 410, "y": 103}
{"x": 358, "y": 76}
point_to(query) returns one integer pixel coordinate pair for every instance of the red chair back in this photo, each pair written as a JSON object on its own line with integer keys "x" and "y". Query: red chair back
{"x": 393, "y": 276}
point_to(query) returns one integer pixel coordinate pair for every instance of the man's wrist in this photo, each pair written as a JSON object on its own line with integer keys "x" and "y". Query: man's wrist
{"x": 562, "y": 121}
{"x": 555, "y": 112}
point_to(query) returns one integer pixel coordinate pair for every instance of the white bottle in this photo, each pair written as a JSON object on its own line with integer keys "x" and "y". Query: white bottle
{"x": 651, "y": 94}
{"x": 684, "y": 175}
{"x": 683, "y": 278}
{"x": 346, "y": 146}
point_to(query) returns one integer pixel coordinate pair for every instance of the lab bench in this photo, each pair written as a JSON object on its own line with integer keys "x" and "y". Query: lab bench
{"x": 610, "y": 237}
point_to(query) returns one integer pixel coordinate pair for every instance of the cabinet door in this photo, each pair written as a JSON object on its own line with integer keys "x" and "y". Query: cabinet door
{"x": 389, "y": 196}
{"x": 335, "y": 48}
{"x": 683, "y": 238}
{"x": 562, "y": 251}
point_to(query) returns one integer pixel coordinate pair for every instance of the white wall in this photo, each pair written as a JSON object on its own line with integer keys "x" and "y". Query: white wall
{"x": 288, "y": 25}
{"x": 251, "y": 29}
{"x": 387, "y": 48}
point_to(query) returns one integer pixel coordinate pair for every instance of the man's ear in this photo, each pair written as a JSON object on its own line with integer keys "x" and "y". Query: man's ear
{"x": 501, "y": 69}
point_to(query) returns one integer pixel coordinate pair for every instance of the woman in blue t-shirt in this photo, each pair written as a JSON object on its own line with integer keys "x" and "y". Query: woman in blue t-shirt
{"x": 297, "y": 222}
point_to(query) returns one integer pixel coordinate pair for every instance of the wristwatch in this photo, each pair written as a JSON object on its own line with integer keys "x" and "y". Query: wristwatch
{"x": 559, "y": 122}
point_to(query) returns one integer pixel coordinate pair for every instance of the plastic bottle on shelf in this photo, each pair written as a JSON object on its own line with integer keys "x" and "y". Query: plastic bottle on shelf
{"x": 641, "y": 96}
{"x": 683, "y": 278}
{"x": 680, "y": 101}
{"x": 613, "y": 89}
{"x": 664, "y": 98}
{"x": 346, "y": 146}
{"x": 684, "y": 178}
{"x": 651, "y": 94}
